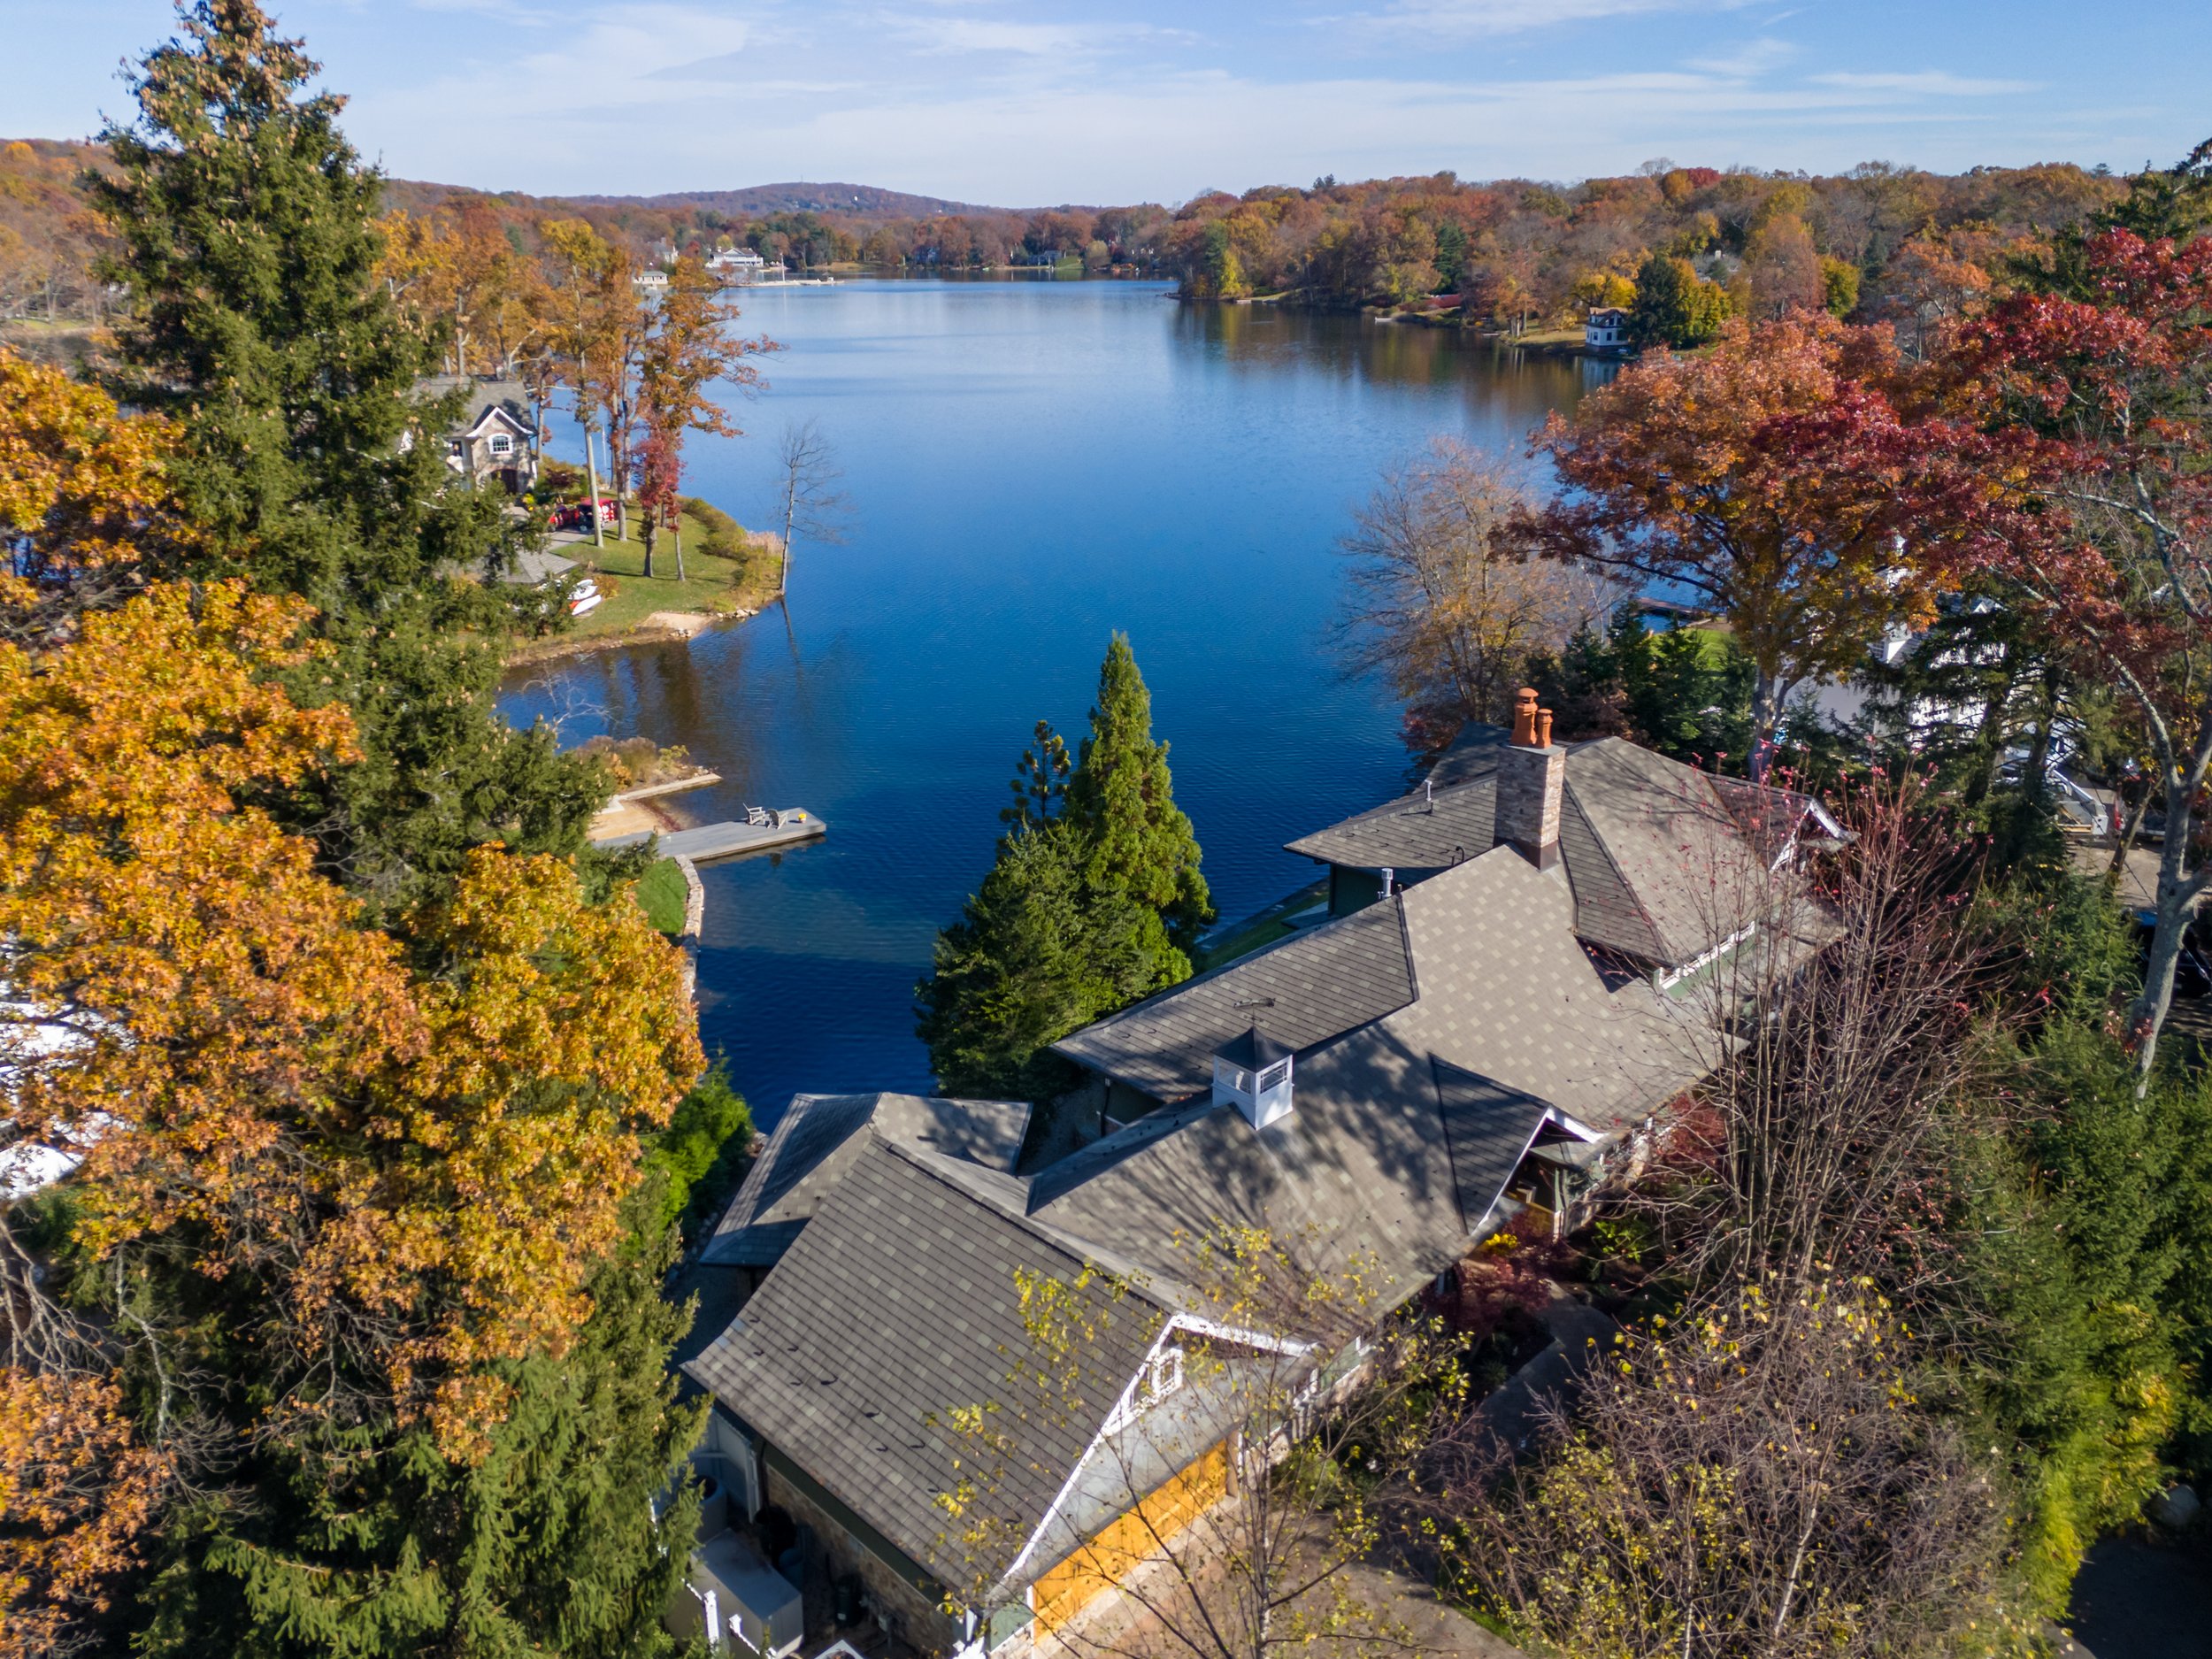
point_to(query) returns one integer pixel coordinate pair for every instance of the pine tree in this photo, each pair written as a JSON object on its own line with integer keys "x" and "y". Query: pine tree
{"x": 1122, "y": 797}
{"x": 245, "y": 230}
{"x": 389, "y": 1550}
{"x": 1037, "y": 952}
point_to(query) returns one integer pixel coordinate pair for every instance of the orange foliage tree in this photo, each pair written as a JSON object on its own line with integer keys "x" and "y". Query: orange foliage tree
{"x": 85, "y": 497}
{"x": 326, "y": 1177}
{"x": 1767, "y": 477}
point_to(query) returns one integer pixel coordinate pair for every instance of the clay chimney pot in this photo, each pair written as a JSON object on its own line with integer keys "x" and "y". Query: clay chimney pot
{"x": 1525, "y": 719}
{"x": 1543, "y": 728}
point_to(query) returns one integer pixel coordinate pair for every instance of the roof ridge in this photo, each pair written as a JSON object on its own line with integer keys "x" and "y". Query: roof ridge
{"x": 1053, "y": 1239}
{"x": 1319, "y": 930}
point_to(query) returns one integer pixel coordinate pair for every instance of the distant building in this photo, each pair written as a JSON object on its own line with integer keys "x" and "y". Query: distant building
{"x": 494, "y": 440}
{"x": 649, "y": 281}
{"x": 736, "y": 264}
{"x": 1606, "y": 329}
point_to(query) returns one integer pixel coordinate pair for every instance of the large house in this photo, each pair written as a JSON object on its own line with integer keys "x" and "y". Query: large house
{"x": 496, "y": 439}
{"x": 1505, "y": 999}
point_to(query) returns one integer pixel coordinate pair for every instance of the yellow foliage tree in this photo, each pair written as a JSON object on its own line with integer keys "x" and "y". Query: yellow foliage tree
{"x": 360, "y": 1167}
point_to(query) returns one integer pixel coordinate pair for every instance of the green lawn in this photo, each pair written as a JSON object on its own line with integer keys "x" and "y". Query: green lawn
{"x": 711, "y": 584}
{"x": 1264, "y": 929}
{"x": 662, "y": 892}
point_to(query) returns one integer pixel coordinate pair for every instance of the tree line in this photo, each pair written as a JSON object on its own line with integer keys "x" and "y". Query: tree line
{"x": 1695, "y": 243}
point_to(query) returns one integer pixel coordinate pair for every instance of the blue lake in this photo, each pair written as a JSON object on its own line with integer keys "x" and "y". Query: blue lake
{"x": 1031, "y": 466}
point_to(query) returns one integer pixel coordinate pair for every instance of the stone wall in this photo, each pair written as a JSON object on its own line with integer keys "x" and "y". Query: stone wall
{"x": 916, "y": 1618}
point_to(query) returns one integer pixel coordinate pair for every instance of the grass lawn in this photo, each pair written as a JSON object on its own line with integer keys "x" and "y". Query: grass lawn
{"x": 1264, "y": 929}
{"x": 1571, "y": 336}
{"x": 711, "y": 584}
{"x": 661, "y": 892}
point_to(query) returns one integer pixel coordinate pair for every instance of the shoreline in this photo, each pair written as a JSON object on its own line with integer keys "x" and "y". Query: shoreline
{"x": 663, "y": 627}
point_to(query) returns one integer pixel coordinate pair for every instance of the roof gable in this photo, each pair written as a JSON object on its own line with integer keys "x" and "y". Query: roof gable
{"x": 898, "y": 1304}
{"x": 817, "y": 1139}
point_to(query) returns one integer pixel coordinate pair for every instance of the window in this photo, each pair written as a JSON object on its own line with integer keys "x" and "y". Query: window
{"x": 501, "y": 444}
{"x": 1161, "y": 1376}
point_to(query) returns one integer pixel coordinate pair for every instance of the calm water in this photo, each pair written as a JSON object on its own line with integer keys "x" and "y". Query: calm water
{"x": 1032, "y": 466}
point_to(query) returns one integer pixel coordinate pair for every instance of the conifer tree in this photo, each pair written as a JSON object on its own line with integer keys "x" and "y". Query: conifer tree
{"x": 245, "y": 230}
{"x": 1036, "y": 953}
{"x": 1122, "y": 797}
{"x": 541, "y": 1547}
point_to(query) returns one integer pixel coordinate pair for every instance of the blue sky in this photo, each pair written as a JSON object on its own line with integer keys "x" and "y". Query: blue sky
{"x": 1109, "y": 101}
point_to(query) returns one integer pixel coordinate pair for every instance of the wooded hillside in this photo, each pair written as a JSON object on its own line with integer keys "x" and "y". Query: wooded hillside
{"x": 1880, "y": 241}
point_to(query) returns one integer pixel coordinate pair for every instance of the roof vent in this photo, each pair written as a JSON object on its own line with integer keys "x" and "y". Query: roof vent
{"x": 1253, "y": 1071}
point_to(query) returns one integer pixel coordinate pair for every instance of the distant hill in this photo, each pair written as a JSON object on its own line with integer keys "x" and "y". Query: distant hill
{"x": 760, "y": 200}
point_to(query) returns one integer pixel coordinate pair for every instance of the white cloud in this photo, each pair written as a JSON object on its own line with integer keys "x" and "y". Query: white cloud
{"x": 1752, "y": 58}
{"x": 1926, "y": 82}
{"x": 1465, "y": 19}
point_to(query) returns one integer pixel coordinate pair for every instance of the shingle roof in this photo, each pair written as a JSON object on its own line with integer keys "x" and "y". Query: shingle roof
{"x": 1665, "y": 860}
{"x": 817, "y": 1139}
{"x": 1310, "y": 988}
{"x": 1422, "y": 831}
{"x": 898, "y": 1304}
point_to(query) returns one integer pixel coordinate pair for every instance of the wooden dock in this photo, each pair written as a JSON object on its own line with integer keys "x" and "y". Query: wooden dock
{"x": 783, "y": 828}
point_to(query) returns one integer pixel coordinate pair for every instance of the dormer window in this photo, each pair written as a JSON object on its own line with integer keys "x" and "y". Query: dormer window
{"x": 1161, "y": 1376}
{"x": 501, "y": 444}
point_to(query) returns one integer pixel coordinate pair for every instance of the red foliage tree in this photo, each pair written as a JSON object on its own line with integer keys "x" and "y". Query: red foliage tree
{"x": 2084, "y": 446}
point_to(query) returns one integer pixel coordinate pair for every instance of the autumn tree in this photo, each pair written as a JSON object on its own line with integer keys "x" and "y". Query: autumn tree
{"x": 246, "y": 232}
{"x": 2086, "y": 443}
{"x": 87, "y": 503}
{"x": 331, "y": 1186}
{"x": 1673, "y": 306}
{"x": 1755, "y": 1481}
{"x": 1441, "y": 600}
{"x": 1766, "y": 479}
{"x": 688, "y": 350}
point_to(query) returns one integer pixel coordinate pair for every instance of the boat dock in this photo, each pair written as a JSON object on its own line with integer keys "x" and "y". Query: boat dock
{"x": 763, "y": 828}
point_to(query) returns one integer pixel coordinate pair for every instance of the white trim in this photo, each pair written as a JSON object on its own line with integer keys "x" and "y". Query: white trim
{"x": 1179, "y": 1322}
{"x": 1668, "y": 981}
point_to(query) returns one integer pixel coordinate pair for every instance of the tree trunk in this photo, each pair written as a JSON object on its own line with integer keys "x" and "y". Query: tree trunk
{"x": 790, "y": 512}
{"x": 676, "y": 529}
{"x": 2173, "y": 923}
{"x": 591, "y": 471}
{"x": 648, "y": 528}
{"x": 1990, "y": 741}
{"x": 1767, "y": 697}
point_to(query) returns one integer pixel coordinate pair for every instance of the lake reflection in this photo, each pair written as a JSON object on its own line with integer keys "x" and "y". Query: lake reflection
{"x": 1034, "y": 464}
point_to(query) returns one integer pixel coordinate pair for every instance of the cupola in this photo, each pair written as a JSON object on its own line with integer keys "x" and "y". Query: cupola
{"x": 1253, "y": 1071}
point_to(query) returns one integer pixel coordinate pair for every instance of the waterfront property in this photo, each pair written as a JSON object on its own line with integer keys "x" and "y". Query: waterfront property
{"x": 1606, "y": 329}
{"x": 495, "y": 440}
{"x": 1492, "y": 1023}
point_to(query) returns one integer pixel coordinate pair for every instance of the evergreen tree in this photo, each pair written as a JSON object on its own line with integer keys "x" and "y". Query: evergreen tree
{"x": 1123, "y": 799}
{"x": 389, "y": 1549}
{"x": 2086, "y": 1235}
{"x": 244, "y": 227}
{"x": 1674, "y": 306}
{"x": 1037, "y": 952}
{"x": 1684, "y": 691}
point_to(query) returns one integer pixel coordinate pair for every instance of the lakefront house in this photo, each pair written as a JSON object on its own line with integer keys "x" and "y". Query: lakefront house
{"x": 1501, "y": 1000}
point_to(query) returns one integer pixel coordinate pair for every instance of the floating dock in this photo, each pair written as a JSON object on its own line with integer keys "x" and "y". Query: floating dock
{"x": 767, "y": 829}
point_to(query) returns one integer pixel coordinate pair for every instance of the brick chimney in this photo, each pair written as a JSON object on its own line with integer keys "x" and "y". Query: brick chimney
{"x": 1532, "y": 783}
